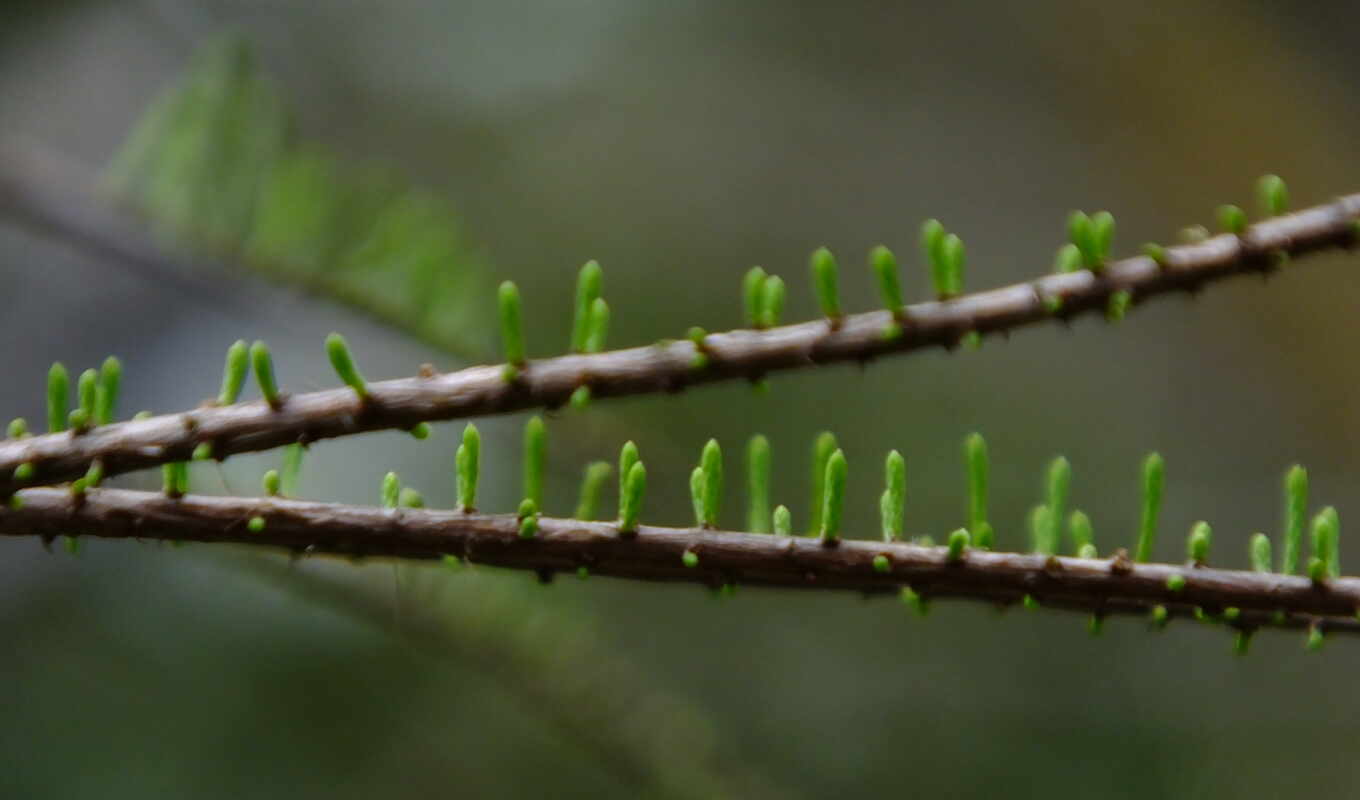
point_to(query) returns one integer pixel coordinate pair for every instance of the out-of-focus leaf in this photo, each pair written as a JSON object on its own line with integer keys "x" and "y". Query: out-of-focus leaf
{"x": 214, "y": 165}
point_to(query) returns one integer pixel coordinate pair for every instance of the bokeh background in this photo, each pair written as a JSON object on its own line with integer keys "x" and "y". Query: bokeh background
{"x": 679, "y": 144}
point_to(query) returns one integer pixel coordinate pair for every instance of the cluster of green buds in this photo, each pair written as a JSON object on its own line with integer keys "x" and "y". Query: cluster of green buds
{"x": 590, "y": 325}
{"x": 96, "y": 399}
{"x": 1089, "y": 239}
{"x": 762, "y": 298}
{"x": 945, "y": 253}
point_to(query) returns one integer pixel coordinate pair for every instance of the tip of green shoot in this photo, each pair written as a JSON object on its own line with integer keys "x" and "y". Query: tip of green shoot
{"x": 78, "y": 420}
{"x": 410, "y": 498}
{"x": 752, "y": 296}
{"x": 263, "y": 362}
{"x": 1155, "y": 252}
{"x": 1197, "y": 546}
{"x": 1091, "y": 236}
{"x": 597, "y": 327}
{"x": 58, "y": 396}
{"x": 337, "y": 349}
{"x": 914, "y": 600}
{"x": 512, "y": 324}
{"x": 1231, "y": 219}
{"x": 1273, "y": 195}
{"x": 634, "y": 488}
{"x": 833, "y": 503}
{"x": 824, "y": 281}
{"x": 528, "y": 518}
{"x": 1068, "y": 259}
{"x": 391, "y": 490}
{"x": 958, "y": 543}
{"x": 588, "y": 286}
{"x": 782, "y": 521}
{"x": 771, "y": 301}
{"x": 712, "y": 489}
{"x": 1117, "y": 307}
{"x": 234, "y": 372}
{"x": 884, "y": 265}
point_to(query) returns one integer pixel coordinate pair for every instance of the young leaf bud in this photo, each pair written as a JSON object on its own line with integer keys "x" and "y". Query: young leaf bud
{"x": 833, "y": 506}
{"x": 291, "y": 472}
{"x": 711, "y": 461}
{"x": 467, "y": 465}
{"x": 630, "y": 506}
{"x": 1259, "y": 548}
{"x": 1273, "y": 195}
{"x": 588, "y": 286}
{"x": 893, "y": 504}
{"x": 772, "y": 302}
{"x": 884, "y": 265}
{"x": 822, "y": 448}
{"x": 512, "y": 324}
{"x": 106, "y": 394}
{"x": 1153, "y": 476}
{"x": 1197, "y": 545}
{"x": 1068, "y": 259}
{"x": 824, "y": 281}
{"x": 782, "y": 521}
{"x": 343, "y": 363}
{"x": 1080, "y": 530}
{"x": 696, "y": 494}
{"x": 592, "y": 488}
{"x": 1102, "y": 232}
{"x": 58, "y": 395}
{"x": 1295, "y": 517}
{"x": 958, "y": 543}
{"x": 234, "y": 373}
{"x": 1231, "y": 219}
{"x": 753, "y": 297}
{"x": 264, "y": 374}
{"x": 598, "y": 330}
{"x": 391, "y": 490}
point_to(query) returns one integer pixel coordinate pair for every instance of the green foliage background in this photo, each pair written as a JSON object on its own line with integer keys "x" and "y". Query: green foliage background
{"x": 403, "y": 158}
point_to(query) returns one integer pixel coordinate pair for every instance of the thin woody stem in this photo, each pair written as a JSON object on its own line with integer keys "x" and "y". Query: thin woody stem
{"x": 1098, "y": 586}
{"x": 669, "y": 366}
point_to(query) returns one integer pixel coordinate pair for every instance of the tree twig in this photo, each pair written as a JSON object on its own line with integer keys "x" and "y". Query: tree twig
{"x": 670, "y": 366}
{"x": 1098, "y": 586}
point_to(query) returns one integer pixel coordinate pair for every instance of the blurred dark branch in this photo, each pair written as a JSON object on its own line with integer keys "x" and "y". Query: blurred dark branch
{"x": 671, "y": 366}
{"x": 597, "y": 702}
{"x": 1097, "y": 586}
{"x": 51, "y": 196}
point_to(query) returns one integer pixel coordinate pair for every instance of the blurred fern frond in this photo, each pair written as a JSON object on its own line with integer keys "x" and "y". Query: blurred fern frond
{"x": 215, "y": 164}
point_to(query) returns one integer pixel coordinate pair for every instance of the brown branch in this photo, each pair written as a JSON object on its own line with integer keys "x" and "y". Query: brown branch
{"x": 669, "y": 366}
{"x": 1096, "y": 586}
